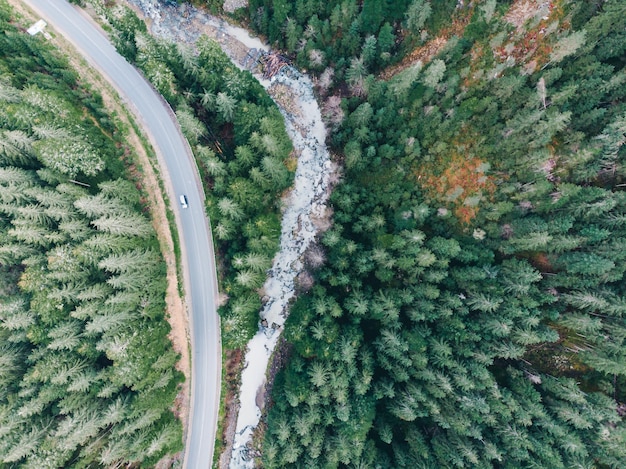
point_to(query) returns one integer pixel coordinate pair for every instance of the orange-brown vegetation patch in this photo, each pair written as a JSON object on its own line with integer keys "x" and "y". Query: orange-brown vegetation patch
{"x": 477, "y": 54}
{"x": 530, "y": 46}
{"x": 459, "y": 178}
{"x": 422, "y": 54}
{"x": 521, "y": 11}
{"x": 542, "y": 262}
{"x": 427, "y": 51}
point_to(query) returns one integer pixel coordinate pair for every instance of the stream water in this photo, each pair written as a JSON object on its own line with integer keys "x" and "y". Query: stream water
{"x": 305, "y": 203}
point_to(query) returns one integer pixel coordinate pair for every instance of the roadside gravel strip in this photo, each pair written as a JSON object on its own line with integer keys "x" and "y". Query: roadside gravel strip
{"x": 176, "y": 161}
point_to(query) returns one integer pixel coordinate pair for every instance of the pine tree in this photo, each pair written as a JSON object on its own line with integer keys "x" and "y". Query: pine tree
{"x": 225, "y": 106}
{"x": 125, "y": 225}
{"x": 416, "y": 15}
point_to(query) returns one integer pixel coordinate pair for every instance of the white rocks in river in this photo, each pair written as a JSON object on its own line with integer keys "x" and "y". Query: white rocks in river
{"x": 298, "y": 230}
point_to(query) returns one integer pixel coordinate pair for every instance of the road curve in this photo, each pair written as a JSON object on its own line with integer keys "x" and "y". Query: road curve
{"x": 198, "y": 259}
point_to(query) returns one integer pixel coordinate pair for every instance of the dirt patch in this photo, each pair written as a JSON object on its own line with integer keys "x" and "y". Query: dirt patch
{"x": 530, "y": 47}
{"x": 285, "y": 97}
{"x": 232, "y": 367}
{"x": 429, "y": 50}
{"x": 521, "y": 11}
{"x": 422, "y": 54}
{"x": 232, "y": 5}
{"x": 147, "y": 178}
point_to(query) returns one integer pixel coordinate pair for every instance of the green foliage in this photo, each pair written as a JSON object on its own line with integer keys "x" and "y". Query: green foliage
{"x": 417, "y": 14}
{"x": 331, "y": 33}
{"x": 87, "y": 370}
{"x": 468, "y": 309}
{"x": 242, "y": 149}
{"x": 127, "y": 27}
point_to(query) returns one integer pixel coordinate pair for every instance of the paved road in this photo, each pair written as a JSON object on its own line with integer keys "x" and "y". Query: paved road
{"x": 194, "y": 231}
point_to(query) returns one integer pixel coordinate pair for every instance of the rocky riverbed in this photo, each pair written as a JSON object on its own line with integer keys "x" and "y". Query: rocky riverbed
{"x": 305, "y": 204}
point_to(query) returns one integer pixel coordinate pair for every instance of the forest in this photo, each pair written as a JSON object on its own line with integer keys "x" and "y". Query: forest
{"x": 87, "y": 367}
{"x": 241, "y": 148}
{"x": 87, "y": 371}
{"x": 471, "y": 308}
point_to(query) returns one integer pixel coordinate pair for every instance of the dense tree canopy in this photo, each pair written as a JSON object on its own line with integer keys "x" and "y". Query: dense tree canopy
{"x": 470, "y": 310}
{"x": 87, "y": 371}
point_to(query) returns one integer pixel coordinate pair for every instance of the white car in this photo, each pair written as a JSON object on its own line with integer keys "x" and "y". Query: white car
{"x": 183, "y": 201}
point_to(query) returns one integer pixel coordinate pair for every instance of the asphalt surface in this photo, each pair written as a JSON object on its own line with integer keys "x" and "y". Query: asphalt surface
{"x": 198, "y": 260}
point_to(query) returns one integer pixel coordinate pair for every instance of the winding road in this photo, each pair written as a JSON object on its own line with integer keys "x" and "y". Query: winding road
{"x": 198, "y": 259}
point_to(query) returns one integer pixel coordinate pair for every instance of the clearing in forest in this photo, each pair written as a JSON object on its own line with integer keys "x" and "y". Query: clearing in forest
{"x": 432, "y": 47}
{"x": 534, "y": 21}
{"x": 458, "y": 179}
